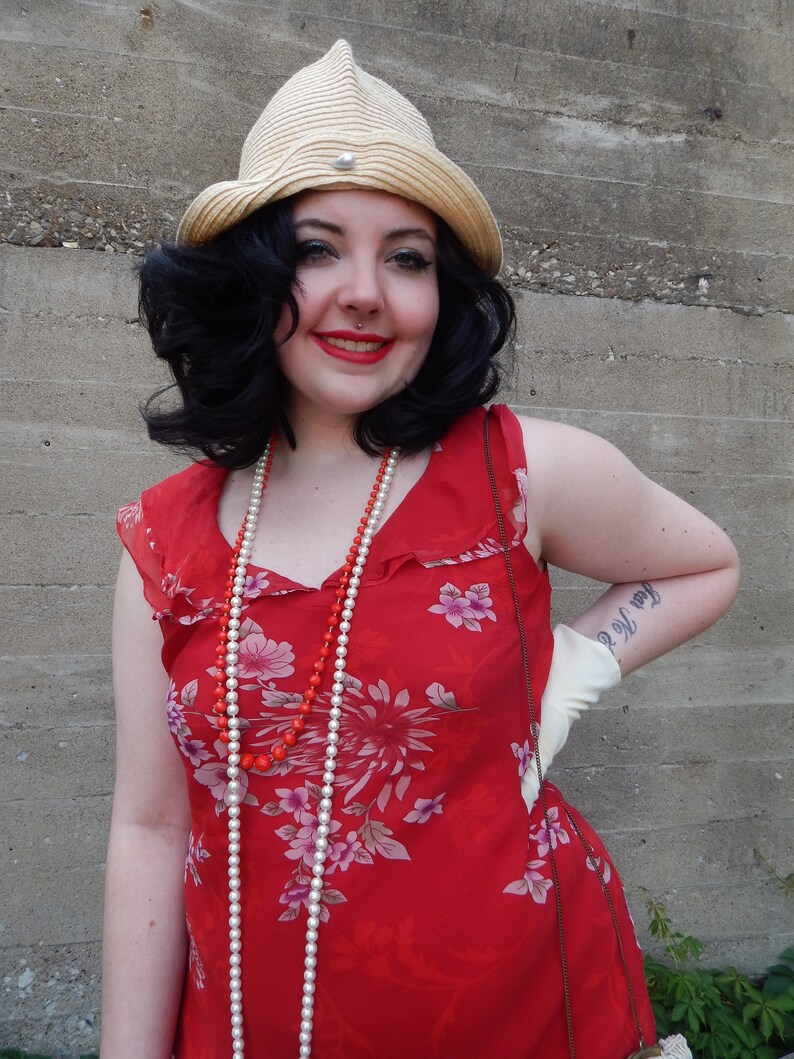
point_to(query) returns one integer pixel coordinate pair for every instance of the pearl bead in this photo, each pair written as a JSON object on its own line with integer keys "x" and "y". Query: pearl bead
{"x": 235, "y": 792}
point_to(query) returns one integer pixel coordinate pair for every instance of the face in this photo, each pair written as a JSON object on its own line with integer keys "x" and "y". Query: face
{"x": 367, "y": 297}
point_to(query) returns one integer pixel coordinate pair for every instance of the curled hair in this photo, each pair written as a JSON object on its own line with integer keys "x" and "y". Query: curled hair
{"x": 211, "y": 312}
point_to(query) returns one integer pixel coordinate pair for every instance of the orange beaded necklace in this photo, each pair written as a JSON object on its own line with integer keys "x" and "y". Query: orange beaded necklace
{"x": 279, "y": 750}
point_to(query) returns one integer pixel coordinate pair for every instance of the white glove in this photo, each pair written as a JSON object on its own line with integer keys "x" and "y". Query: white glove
{"x": 581, "y": 669}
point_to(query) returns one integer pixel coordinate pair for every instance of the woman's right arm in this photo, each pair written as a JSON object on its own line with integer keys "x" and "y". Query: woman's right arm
{"x": 145, "y": 942}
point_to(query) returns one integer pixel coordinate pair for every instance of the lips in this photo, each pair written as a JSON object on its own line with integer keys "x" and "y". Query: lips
{"x": 353, "y": 346}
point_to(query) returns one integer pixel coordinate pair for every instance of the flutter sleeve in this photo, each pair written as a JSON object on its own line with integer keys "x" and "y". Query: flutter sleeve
{"x": 138, "y": 539}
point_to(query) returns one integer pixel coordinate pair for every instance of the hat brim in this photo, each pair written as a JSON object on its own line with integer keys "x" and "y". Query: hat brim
{"x": 418, "y": 172}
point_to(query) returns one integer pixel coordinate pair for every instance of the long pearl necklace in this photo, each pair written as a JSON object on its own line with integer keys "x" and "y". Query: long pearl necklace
{"x": 229, "y": 721}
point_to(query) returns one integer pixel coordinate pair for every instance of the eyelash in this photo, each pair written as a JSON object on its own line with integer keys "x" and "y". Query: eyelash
{"x": 314, "y": 250}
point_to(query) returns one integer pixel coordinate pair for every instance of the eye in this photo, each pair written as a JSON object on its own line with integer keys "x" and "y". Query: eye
{"x": 314, "y": 251}
{"x": 410, "y": 260}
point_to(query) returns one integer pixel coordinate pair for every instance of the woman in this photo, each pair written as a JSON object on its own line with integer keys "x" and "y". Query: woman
{"x": 350, "y": 767}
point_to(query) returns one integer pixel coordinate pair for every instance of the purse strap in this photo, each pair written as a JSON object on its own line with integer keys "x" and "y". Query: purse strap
{"x": 535, "y": 729}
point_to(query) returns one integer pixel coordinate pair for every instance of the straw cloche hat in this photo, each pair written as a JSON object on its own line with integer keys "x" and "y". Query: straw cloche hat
{"x": 332, "y": 125}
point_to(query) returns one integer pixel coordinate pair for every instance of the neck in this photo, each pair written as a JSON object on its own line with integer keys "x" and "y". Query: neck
{"x": 321, "y": 438}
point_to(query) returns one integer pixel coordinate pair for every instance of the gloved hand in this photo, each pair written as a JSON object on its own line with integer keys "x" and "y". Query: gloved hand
{"x": 581, "y": 669}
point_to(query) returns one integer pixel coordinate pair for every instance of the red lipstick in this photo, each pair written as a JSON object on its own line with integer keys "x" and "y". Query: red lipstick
{"x": 330, "y": 342}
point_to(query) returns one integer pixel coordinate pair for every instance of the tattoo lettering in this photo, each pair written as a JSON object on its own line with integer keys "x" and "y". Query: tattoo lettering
{"x": 622, "y": 625}
{"x": 606, "y": 640}
{"x": 643, "y": 595}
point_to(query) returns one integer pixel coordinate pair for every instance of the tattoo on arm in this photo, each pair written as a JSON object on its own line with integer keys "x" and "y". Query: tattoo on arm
{"x": 623, "y": 625}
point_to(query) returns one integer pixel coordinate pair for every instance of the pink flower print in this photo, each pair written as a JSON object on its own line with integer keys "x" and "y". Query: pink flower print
{"x": 194, "y": 960}
{"x": 532, "y": 883}
{"x": 195, "y": 855}
{"x": 174, "y": 715}
{"x": 264, "y": 659}
{"x": 302, "y": 846}
{"x": 599, "y": 864}
{"x": 480, "y": 602}
{"x": 550, "y": 836}
{"x": 452, "y": 604}
{"x": 424, "y": 809}
{"x": 522, "y": 482}
{"x": 523, "y": 754}
{"x": 194, "y": 751}
{"x": 213, "y": 775}
{"x": 344, "y": 852}
{"x": 255, "y": 584}
{"x": 294, "y": 802}
{"x": 383, "y": 737}
{"x": 467, "y": 608}
{"x": 131, "y": 514}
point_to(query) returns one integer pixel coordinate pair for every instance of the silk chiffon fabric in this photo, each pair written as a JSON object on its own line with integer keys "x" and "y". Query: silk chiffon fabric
{"x": 439, "y": 937}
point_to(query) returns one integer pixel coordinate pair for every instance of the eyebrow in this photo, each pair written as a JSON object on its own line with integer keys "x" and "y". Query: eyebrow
{"x": 395, "y": 233}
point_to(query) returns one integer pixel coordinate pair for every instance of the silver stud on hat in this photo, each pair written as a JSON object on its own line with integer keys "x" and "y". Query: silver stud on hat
{"x": 346, "y": 160}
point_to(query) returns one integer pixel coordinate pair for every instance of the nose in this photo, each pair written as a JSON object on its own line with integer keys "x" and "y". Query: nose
{"x": 361, "y": 292}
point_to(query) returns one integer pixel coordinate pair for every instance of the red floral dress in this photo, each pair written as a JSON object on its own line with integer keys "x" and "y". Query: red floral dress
{"x": 440, "y": 935}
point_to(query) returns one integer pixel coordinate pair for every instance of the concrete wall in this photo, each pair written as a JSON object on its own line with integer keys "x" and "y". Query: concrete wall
{"x": 639, "y": 159}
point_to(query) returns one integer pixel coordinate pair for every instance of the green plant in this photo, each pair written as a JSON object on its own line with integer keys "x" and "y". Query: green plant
{"x": 722, "y": 1013}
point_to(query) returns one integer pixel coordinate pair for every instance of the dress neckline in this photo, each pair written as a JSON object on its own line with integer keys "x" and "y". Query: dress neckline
{"x": 280, "y": 583}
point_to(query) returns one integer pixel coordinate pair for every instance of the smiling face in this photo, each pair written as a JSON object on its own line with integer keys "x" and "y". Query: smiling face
{"x": 367, "y": 296}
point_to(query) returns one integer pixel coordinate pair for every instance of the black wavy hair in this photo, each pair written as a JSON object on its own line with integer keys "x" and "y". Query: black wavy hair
{"x": 211, "y": 312}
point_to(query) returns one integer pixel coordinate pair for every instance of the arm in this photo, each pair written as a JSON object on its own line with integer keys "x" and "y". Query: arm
{"x": 144, "y": 936}
{"x": 673, "y": 572}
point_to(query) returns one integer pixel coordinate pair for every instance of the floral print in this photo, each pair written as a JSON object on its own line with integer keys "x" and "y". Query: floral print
{"x": 262, "y": 659}
{"x": 469, "y": 608}
{"x": 388, "y": 738}
{"x": 549, "y": 835}
{"x": 196, "y": 853}
{"x": 533, "y": 883}
{"x": 438, "y": 889}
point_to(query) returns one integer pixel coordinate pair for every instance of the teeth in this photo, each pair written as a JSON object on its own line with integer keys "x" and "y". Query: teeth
{"x": 354, "y": 347}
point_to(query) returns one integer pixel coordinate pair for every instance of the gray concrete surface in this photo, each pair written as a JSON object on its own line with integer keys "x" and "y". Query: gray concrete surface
{"x": 639, "y": 160}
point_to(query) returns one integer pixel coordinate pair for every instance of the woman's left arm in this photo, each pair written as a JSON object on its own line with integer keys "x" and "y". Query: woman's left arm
{"x": 672, "y": 571}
